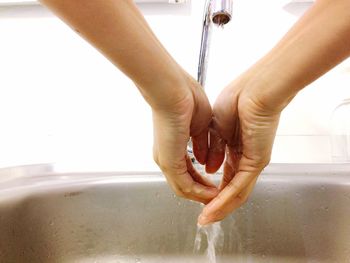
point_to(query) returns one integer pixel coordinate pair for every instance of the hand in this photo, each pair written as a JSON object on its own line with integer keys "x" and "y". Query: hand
{"x": 187, "y": 113}
{"x": 245, "y": 128}
{"x": 246, "y": 113}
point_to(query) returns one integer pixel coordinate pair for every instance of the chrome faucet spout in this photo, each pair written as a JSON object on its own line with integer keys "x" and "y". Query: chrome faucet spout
{"x": 217, "y": 12}
{"x": 222, "y": 12}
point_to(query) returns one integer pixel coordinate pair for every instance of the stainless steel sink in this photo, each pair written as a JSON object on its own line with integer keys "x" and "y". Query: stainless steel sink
{"x": 298, "y": 213}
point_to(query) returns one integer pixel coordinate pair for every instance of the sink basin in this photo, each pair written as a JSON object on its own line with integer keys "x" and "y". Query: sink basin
{"x": 297, "y": 213}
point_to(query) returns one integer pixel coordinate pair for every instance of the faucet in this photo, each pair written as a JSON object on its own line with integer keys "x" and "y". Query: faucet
{"x": 218, "y": 12}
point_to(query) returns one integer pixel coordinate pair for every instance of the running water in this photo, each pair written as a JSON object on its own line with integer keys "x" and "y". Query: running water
{"x": 209, "y": 239}
{"x": 214, "y": 241}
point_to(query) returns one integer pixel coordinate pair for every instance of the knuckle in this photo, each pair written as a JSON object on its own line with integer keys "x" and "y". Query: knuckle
{"x": 186, "y": 189}
{"x": 243, "y": 199}
{"x": 259, "y": 164}
{"x": 256, "y": 165}
{"x": 179, "y": 193}
{"x": 156, "y": 155}
{"x": 183, "y": 190}
{"x": 267, "y": 161}
{"x": 172, "y": 168}
{"x": 156, "y": 159}
{"x": 162, "y": 165}
{"x": 264, "y": 160}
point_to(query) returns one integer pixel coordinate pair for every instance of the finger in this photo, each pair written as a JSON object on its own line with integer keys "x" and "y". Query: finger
{"x": 197, "y": 177}
{"x": 230, "y": 198}
{"x": 231, "y": 166}
{"x": 186, "y": 182}
{"x": 200, "y": 146}
{"x": 214, "y": 216}
{"x": 186, "y": 187}
{"x": 216, "y": 152}
{"x": 229, "y": 173}
{"x": 196, "y": 192}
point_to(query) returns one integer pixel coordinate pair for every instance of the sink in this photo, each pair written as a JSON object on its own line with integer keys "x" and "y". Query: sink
{"x": 297, "y": 213}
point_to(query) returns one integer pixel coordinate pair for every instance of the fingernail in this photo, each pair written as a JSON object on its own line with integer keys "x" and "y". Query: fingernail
{"x": 203, "y": 220}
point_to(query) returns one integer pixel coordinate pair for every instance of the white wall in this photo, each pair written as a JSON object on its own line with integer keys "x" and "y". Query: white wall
{"x": 62, "y": 102}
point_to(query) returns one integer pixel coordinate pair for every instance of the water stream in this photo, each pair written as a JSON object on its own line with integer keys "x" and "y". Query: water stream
{"x": 209, "y": 239}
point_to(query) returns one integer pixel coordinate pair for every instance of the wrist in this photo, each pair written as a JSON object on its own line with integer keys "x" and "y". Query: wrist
{"x": 167, "y": 90}
{"x": 271, "y": 85}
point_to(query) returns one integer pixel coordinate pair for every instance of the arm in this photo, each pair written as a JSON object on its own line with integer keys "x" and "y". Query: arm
{"x": 319, "y": 41}
{"x": 118, "y": 30}
{"x": 179, "y": 106}
{"x": 247, "y": 112}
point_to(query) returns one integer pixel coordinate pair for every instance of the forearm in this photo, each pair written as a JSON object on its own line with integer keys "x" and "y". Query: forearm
{"x": 318, "y": 41}
{"x": 119, "y": 31}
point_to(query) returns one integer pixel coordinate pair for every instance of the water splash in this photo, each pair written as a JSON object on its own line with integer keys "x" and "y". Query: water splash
{"x": 214, "y": 240}
{"x": 209, "y": 239}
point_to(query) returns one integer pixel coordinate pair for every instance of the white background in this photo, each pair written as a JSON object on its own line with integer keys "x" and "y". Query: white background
{"x": 62, "y": 102}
